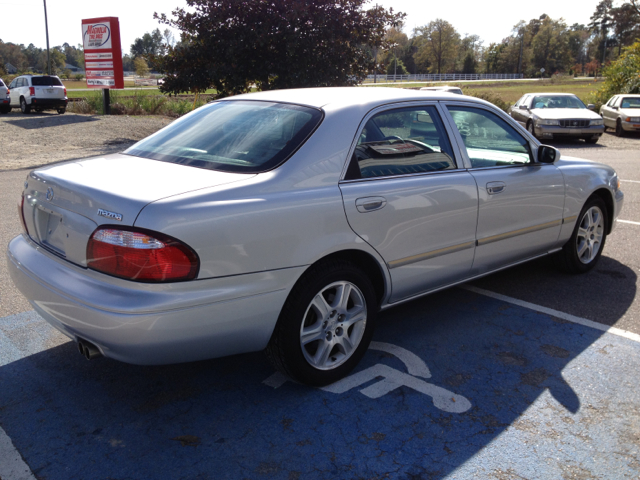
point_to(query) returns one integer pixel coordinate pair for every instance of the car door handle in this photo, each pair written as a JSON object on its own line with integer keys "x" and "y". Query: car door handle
{"x": 370, "y": 204}
{"x": 495, "y": 187}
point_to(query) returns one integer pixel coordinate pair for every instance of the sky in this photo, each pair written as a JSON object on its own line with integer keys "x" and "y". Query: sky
{"x": 492, "y": 20}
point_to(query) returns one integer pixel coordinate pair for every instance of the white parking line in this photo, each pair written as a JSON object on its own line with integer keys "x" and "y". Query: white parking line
{"x": 12, "y": 466}
{"x": 629, "y": 221}
{"x": 555, "y": 313}
{"x": 630, "y": 181}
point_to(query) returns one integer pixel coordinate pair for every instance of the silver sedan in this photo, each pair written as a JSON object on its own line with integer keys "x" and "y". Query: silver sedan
{"x": 622, "y": 113}
{"x": 557, "y": 116}
{"x": 286, "y": 220}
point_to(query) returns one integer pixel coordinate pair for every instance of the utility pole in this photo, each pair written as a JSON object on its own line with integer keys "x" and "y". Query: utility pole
{"x": 46, "y": 27}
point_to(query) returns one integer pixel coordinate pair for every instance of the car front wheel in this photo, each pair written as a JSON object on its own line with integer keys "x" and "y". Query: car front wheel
{"x": 326, "y": 324}
{"x": 583, "y": 250}
{"x": 531, "y": 129}
{"x": 619, "y": 129}
{"x": 24, "y": 108}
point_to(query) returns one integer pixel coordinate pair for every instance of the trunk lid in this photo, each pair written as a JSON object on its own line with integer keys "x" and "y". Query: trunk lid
{"x": 64, "y": 204}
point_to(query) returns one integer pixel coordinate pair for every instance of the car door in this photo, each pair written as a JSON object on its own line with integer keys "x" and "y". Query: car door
{"x": 609, "y": 113}
{"x": 407, "y": 195}
{"x": 14, "y": 95}
{"x": 517, "y": 113}
{"x": 520, "y": 201}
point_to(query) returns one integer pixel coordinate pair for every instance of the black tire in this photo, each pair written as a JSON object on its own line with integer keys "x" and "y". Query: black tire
{"x": 24, "y": 108}
{"x": 619, "y": 129}
{"x": 285, "y": 350}
{"x": 5, "y": 111}
{"x": 531, "y": 129}
{"x": 61, "y": 111}
{"x": 572, "y": 258}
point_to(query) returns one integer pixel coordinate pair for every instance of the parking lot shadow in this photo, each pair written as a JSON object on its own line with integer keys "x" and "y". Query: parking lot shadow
{"x": 452, "y": 372}
{"x": 48, "y": 119}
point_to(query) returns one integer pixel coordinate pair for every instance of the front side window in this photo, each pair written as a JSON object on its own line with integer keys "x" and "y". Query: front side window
{"x": 402, "y": 142}
{"x": 233, "y": 136}
{"x": 489, "y": 140}
{"x": 612, "y": 102}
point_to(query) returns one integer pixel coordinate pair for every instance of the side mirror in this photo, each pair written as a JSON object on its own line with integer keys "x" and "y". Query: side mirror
{"x": 523, "y": 107}
{"x": 591, "y": 106}
{"x": 548, "y": 154}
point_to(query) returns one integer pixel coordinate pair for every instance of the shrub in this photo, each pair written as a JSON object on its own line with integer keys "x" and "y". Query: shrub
{"x": 491, "y": 97}
{"x": 622, "y": 76}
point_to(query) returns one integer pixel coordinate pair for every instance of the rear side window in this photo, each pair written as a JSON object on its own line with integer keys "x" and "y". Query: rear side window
{"x": 46, "y": 81}
{"x": 233, "y": 136}
{"x": 402, "y": 142}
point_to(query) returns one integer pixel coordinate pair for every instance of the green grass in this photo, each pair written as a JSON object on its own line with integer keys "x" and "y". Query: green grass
{"x": 510, "y": 91}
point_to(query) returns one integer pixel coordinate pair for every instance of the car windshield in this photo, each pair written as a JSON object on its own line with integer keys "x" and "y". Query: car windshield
{"x": 46, "y": 81}
{"x": 557, "y": 101}
{"x": 233, "y": 136}
{"x": 631, "y": 102}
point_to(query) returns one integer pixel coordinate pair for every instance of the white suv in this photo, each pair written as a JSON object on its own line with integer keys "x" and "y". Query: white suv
{"x": 38, "y": 92}
{"x": 4, "y": 98}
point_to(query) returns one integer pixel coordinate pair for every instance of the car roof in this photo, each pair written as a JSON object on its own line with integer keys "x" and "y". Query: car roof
{"x": 347, "y": 96}
{"x": 561, "y": 94}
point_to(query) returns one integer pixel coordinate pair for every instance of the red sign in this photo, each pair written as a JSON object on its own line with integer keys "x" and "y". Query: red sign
{"x": 102, "y": 52}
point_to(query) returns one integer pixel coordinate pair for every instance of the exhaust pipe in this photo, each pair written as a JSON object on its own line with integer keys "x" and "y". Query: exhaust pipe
{"x": 88, "y": 349}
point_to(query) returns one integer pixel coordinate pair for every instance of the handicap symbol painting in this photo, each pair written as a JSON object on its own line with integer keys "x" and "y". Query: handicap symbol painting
{"x": 390, "y": 379}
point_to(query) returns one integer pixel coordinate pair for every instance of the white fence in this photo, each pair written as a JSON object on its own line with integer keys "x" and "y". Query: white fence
{"x": 444, "y": 77}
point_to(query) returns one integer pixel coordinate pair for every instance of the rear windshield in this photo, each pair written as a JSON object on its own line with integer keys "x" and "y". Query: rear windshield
{"x": 233, "y": 136}
{"x": 630, "y": 102}
{"x": 45, "y": 81}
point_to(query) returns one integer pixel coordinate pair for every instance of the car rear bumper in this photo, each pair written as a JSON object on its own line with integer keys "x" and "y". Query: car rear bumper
{"x": 151, "y": 324}
{"x": 553, "y": 131}
{"x": 49, "y": 102}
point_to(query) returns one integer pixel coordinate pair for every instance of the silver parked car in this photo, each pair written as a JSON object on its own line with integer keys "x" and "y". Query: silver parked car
{"x": 285, "y": 220}
{"x": 556, "y": 116}
{"x": 622, "y": 113}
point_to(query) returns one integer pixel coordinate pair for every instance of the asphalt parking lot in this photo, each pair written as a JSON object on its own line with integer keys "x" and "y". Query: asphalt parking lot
{"x": 515, "y": 376}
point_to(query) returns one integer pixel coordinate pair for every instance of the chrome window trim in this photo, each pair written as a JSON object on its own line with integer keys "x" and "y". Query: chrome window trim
{"x": 396, "y": 177}
{"x": 458, "y": 159}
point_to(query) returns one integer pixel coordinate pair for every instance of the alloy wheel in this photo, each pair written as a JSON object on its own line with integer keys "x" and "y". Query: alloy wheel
{"x": 590, "y": 233}
{"x": 333, "y": 325}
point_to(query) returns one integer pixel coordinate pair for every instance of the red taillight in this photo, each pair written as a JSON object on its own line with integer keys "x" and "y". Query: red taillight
{"x": 141, "y": 255}
{"x": 21, "y": 214}
{"x": 65, "y": 91}
{"x": 32, "y": 91}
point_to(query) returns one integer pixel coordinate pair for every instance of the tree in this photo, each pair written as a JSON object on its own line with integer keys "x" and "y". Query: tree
{"x": 233, "y": 45}
{"x": 438, "y": 45}
{"x": 622, "y": 75}
{"x": 626, "y": 21}
{"x": 150, "y": 44}
{"x": 141, "y": 67}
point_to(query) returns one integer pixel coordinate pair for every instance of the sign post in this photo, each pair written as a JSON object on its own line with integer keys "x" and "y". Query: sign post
{"x": 103, "y": 55}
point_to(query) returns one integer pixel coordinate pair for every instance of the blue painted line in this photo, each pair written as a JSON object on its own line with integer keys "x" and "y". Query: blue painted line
{"x": 549, "y": 399}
